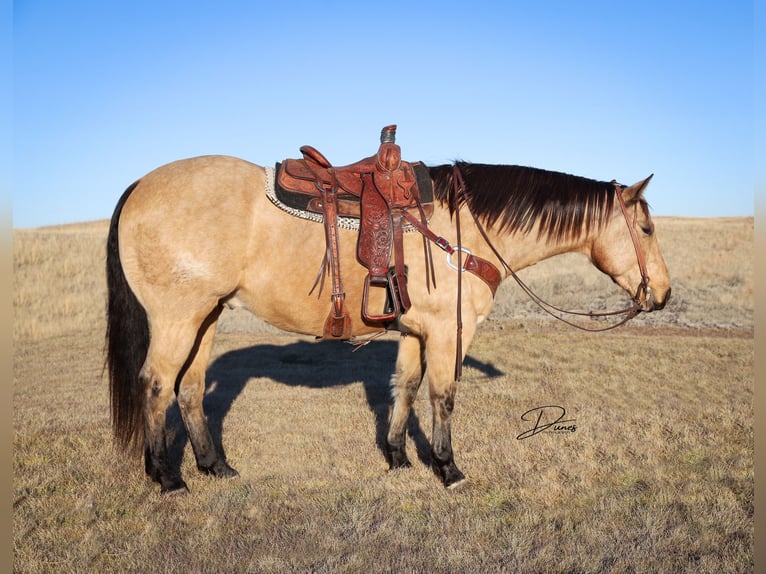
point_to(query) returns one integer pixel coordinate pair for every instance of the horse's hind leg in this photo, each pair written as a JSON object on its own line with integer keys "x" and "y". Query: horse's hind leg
{"x": 191, "y": 392}
{"x": 405, "y": 384}
{"x": 169, "y": 350}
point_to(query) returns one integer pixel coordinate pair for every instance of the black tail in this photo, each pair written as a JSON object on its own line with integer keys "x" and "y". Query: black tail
{"x": 127, "y": 342}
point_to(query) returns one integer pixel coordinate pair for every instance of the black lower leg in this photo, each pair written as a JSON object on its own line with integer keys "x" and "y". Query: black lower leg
{"x": 211, "y": 462}
{"x": 443, "y": 459}
{"x": 158, "y": 467}
{"x": 209, "y": 458}
{"x": 397, "y": 425}
{"x": 397, "y": 453}
{"x": 156, "y": 460}
{"x": 445, "y": 468}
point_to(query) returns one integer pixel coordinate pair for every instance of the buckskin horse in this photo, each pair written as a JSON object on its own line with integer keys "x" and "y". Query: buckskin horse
{"x": 198, "y": 234}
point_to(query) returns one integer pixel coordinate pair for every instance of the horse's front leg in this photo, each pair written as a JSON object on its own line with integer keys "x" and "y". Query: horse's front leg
{"x": 440, "y": 357}
{"x": 404, "y": 387}
{"x": 442, "y": 403}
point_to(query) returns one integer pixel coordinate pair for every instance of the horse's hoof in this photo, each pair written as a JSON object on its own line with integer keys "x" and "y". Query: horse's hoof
{"x": 398, "y": 460}
{"x": 227, "y": 472}
{"x": 457, "y": 484}
{"x": 220, "y": 469}
{"x": 450, "y": 475}
{"x": 175, "y": 488}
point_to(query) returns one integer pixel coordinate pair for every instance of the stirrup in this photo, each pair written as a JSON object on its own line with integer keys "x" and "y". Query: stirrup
{"x": 386, "y": 283}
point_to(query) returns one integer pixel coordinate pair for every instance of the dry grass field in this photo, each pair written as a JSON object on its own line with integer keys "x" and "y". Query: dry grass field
{"x": 656, "y": 476}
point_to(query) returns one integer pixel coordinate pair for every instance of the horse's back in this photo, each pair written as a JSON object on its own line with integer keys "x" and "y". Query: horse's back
{"x": 187, "y": 226}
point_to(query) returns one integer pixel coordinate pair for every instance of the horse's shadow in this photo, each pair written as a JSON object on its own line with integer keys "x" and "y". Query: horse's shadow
{"x": 312, "y": 365}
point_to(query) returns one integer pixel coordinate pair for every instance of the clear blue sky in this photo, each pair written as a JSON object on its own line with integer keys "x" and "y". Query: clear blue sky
{"x": 105, "y": 91}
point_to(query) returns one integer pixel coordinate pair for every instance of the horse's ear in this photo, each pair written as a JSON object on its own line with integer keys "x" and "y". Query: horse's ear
{"x": 635, "y": 191}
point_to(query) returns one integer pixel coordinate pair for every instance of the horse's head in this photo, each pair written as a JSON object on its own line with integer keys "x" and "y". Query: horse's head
{"x": 625, "y": 241}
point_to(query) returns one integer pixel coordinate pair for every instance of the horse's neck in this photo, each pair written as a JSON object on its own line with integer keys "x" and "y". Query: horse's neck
{"x": 521, "y": 250}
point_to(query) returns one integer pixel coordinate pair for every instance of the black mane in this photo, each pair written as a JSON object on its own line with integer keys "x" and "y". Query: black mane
{"x": 515, "y": 198}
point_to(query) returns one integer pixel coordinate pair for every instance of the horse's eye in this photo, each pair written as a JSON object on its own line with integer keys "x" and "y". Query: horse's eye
{"x": 647, "y": 229}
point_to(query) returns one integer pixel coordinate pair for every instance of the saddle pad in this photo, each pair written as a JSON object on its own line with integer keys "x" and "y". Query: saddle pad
{"x": 275, "y": 194}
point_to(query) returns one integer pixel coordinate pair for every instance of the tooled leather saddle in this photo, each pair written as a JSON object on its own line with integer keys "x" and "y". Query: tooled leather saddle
{"x": 376, "y": 190}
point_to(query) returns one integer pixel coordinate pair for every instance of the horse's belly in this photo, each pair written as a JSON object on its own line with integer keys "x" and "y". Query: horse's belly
{"x": 284, "y": 284}
{"x": 296, "y": 310}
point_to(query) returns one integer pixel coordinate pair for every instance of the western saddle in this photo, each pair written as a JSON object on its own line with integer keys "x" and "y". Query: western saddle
{"x": 377, "y": 190}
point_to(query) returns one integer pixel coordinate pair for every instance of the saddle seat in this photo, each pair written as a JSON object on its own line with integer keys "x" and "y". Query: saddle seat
{"x": 376, "y": 190}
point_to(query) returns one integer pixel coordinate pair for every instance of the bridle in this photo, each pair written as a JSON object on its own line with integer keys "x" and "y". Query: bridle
{"x": 643, "y": 290}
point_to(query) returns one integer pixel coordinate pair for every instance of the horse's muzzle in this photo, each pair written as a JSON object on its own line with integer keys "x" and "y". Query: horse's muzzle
{"x": 651, "y": 303}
